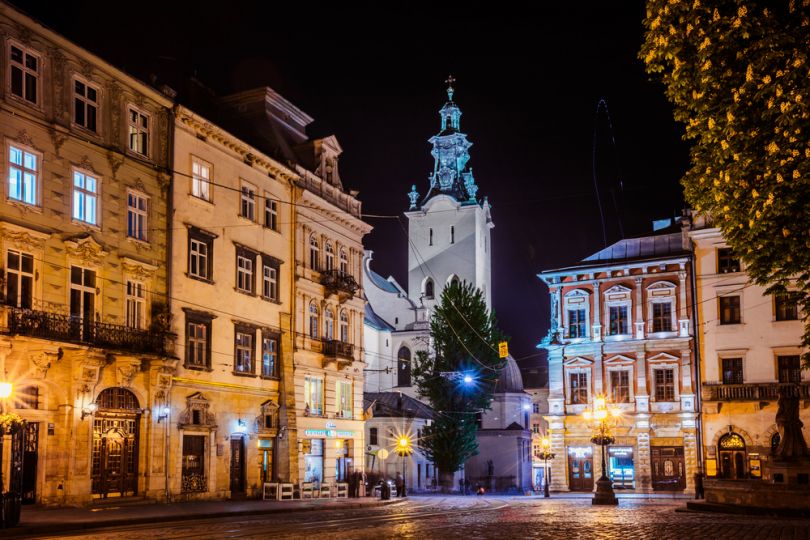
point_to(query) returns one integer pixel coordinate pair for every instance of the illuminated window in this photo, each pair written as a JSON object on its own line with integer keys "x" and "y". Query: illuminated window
{"x": 85, "y": 198}
{"x": 23, "y": 175}
{"x": 201, "y": 179}
{"x": 344, "y": 398}
{"x": 269, "y": 355}
{"x": 138, "y": 130}
{"x": 313, "y": 395}
{"x": 244, "y": 349}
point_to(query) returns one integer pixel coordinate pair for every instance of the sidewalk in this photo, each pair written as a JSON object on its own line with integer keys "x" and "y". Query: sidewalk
{"x": 41, "y": 520}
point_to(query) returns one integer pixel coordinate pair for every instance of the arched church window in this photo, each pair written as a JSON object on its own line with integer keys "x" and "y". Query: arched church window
{"x": 404, "y": 366}
{"x": 314, "y": 320}
{"x": 429, "y": 288}
{"x": 430, "y": 237}
{"x": 344, "y": 326}
{"x": 454, "y": 281}
{"x": 314, "y": 249}
{"x": 330, "y": 256}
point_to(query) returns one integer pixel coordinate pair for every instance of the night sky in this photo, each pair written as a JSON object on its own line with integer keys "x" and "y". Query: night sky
{"x": 528, "y": 84}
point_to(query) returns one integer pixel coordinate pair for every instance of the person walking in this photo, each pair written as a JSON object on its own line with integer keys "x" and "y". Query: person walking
{"x": 699, "y": 484}
{"x": 399, "y": 483}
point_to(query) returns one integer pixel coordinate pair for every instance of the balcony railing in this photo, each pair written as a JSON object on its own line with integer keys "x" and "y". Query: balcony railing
{"x": 753, "y": 391}
{"x": 59, "y": 327}
{"x": 336, "y": 282}
{"x": 338, "y": 349}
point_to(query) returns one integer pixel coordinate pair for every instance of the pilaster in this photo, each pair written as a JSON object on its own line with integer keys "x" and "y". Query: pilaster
{"x": 596, "y": 309}
{"x": 639, "y": 322}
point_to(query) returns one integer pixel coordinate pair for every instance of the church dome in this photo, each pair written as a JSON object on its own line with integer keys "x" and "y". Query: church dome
{"x": 510, "y": 380}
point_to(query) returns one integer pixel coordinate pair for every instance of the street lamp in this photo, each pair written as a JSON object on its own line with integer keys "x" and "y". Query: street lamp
{"x": 403, "y": 449}
{"x": 546, "y": 455}
{"x": 602, "y": 418}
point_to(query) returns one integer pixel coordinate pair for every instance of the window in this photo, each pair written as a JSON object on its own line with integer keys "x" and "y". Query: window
{"x": 577, "y": 324}
{"x": 430, "y": 237}
{"x": 536, "y": 428}
{"x": 23, "y": 175}
{"x": 789, "y": 369}
{"x": 82, "y": 293}
{"x": 330, "y": 256}
{"x": 27, "y": 397}
{"x": 344, "y": 262}
{"x": 198, "y": 340}
{"x": 536, "y": 408}
{"x": 787, "y": 306}
{"x": 329, "y": 324}
{"x": 244, "y": 350}
{"x": 664, "y": 385}
{"x": 19, "y": 279}
{"x": 429, "y": 288}
{"x": 270, "y": 213}
{"x": 404, "y": 366}
{"x": 452, "y": 234}
{"x": 248, "y": 202}
{"x": 85, "y": 105}
{"x": 579, "y": 388}
{"x": 85, "y": 197}
{"x": 269, "y": 355}
{"x": 313, "y": 253}
{"x": 136, "y": 305}
{"x": 732, "y": 370}
{"x": 662, "y": 316}
{"x": 727, "y": 262}
{"x": 729, "y": 309}
{"x": 201, "y": 179}
{"x": 620, "y": 386}
{"x": 200, "y": 254}
{"x": 138, "y": 128}
{"x": 313, "y": 395}
{"x": 344, "y": 399}
{"x": 373, "y": 436}
{"x": 270, "y": 282}
{"x": 244, "y": 270}
{"x": 137, "y": 206}
{"x": 24, "y": 67}
{"x": 344, "y": 326}
{"x": 618, "y": 320}
{"x": 314, "y": 320}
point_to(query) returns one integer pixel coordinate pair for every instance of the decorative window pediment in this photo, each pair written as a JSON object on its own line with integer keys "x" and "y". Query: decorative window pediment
{"x": 578, "y": 362}
{"x": 267, "y": 420}
{"x": 577, "y": 292}
{"x": 618, "y": 292}
{"x": 661, "y": 289}
{"x": 663, "y": 357}
{"x": 87, "y": 250}
{"x": 619, "y": 359}
{"x": 196, "y": 416}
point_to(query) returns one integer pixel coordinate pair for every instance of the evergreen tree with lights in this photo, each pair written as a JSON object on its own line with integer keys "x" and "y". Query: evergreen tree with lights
{"x": 458, "y": 376}
{"x": 737, "y": 75}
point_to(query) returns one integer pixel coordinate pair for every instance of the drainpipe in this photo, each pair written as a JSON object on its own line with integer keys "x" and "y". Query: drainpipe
{"x": 169, "y": 258}
{"x": 696, "y": 352}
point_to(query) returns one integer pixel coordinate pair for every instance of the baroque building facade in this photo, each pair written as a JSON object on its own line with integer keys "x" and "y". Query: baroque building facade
{"x": 750, "y": 348}
{"x": 621, "y": 327}
{"x": 83, "y": 241}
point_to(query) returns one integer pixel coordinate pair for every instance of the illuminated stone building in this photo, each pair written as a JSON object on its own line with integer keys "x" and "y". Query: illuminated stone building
{"x": 750, "y": 347}
{"x": 83, "y": 245}
{"x": 621, "y": 326}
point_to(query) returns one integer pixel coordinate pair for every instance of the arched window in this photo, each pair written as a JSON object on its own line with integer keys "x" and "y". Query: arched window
{"x": 117, "y": 399}
{"x": 313, "y": 252}
{"x": 314, "y": 320}
{"x": 329, "y": 319}
{"x": 454, "y": 281}
{"x": 429, "y": 288}
{"x": 404, "y": 366}
{"x": 344, "y": 262}
{"x": 330, "y": 256}
{"x": 344, "y": 326}
{"x": 776, "y": 439}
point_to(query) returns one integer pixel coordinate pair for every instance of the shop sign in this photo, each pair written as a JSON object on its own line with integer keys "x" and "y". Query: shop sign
{"x": 580, "y": 452}
{"x": 620, "y": 452}
{"x": 329, "y": 433}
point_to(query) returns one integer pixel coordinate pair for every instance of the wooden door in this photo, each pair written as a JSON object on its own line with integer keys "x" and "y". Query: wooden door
{"x": 237, "y": 466}
{"x": 668, "y": 468}
{"x": 580, "y": 472}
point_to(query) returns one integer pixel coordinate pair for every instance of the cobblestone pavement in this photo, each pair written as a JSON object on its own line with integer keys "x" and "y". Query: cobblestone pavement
{"x": 488, "y": 517}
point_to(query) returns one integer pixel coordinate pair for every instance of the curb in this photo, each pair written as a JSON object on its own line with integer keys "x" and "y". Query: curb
{"x": 58, "y": 528}
{"x": 745, "y": 510}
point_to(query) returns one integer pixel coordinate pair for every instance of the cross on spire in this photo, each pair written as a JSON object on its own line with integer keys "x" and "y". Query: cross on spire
{"x": 450, "y": 80}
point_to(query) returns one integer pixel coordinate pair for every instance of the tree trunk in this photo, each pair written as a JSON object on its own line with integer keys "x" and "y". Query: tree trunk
{"x": 446, "y": 481}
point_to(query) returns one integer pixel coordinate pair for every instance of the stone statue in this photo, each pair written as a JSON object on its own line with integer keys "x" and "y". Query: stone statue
{"x": 792, "y": 444}
{"x": 413, "y": 195}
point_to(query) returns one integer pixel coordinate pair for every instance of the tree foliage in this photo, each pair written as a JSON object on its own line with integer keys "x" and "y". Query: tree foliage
{"x": 465, "y": 339}
{"x": 737, "y": 75}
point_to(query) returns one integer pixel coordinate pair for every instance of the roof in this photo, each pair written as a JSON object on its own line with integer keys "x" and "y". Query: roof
{"x": 371, "y": 318}
{"x": 396, "y": 404}
{"x": 380, "y": 282}
{"x": 510, "y": 380}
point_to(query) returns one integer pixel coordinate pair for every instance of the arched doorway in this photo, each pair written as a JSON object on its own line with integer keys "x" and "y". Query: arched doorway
{"x": 731, "y": 448}
{"x": 115, "y": 444}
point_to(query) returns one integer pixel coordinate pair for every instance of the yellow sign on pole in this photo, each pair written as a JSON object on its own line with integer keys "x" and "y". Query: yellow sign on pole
{"x": 382, "y": 453}
{"x": 503, "y": 349}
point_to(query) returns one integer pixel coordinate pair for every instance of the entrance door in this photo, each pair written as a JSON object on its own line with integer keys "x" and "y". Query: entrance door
{"x": 237, "y": 466}
{"x": 668, "y": 472}
{"x": 115, "y": 444}
{"x": 30, "y": 455}
{"x": 731, "y": 448}
{"x": 580, "y": 469}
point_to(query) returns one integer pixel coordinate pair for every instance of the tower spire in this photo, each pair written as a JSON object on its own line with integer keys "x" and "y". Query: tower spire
{"x": 450, "y": 80}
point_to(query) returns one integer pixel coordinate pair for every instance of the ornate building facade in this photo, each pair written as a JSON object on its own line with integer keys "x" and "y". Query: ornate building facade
{"x": 83, "y": 245}
{"x": 621, "y": 327}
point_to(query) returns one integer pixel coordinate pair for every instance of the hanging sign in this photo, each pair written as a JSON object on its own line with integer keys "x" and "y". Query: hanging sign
{"x": 503, "y": 349}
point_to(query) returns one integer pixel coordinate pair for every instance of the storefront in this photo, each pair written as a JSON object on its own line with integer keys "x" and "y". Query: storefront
{"x": 327, "y": 449}
{"x": 313, "y": 460}
{"x": 621, "y": 466}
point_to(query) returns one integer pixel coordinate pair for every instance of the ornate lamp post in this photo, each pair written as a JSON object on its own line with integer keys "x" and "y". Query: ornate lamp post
{"x": 602, "y": 419}
{"x": 545, "y": 455}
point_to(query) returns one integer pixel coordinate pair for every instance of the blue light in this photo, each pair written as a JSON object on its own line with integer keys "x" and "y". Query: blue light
{"x": 468, "y": 379}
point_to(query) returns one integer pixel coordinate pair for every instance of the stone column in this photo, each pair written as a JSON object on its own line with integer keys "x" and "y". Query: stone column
{"x": 639, "y": 322}
{"x": 558, "y": 465}
{"x": 597, "y": 308}
{"x": 641, "y": 394}
{"x": 643, "y": 466}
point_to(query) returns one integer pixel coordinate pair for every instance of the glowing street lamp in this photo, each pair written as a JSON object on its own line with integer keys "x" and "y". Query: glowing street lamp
{"x": 404, "y": 449}
{"x": 545, "y": 454}
{"x": 6, "y": 388}
{"x": 603, "y": 418}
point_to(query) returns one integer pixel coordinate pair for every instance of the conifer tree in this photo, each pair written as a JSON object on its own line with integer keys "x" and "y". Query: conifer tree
{"x": 465, "y": 339}
{"x": 737, "y": 75}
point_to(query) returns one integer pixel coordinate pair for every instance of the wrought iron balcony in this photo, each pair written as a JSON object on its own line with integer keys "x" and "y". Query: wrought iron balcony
{"x": 59, "y": 327}
{"x": 338, "y": 350}
{"x": 337, "y": 282}
{"x": 753, "y": 391}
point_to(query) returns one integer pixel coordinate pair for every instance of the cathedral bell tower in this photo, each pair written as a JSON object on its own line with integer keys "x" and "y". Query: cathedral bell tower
{"x": 449, "y": 228}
